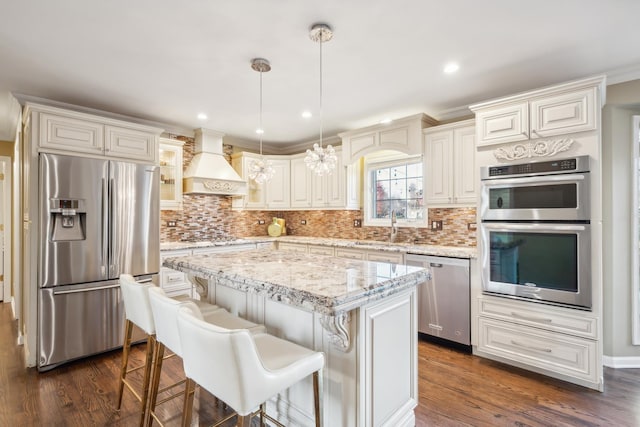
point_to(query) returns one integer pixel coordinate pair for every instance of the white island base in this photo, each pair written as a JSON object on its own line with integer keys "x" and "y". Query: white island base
{"x": 373, "y": 382}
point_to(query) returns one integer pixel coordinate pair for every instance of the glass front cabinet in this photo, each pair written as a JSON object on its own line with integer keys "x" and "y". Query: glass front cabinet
{"x": 170, "y": 174}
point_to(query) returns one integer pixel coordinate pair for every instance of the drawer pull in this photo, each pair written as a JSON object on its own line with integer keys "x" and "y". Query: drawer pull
{"x": 436, "y": 327}
{"x": 531, "y": 319}
{"x": 530, "y": 347}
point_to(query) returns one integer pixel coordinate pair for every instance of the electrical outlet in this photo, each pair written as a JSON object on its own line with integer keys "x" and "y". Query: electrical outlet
{"x": 472, "y": 226}
{"x": 436, "y": 225}
{"x": 261, "y": 222}
{"x": 303, "y": 221}
{"x": 357, "y": 223}
{"x": 171, "y": 223}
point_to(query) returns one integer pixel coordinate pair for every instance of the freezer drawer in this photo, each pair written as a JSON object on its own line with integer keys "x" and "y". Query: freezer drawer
{"x": 78, "y": 321}
{"x": 444, "y": 301}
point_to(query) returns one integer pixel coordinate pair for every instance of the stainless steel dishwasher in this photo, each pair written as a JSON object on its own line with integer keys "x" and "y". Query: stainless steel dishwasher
{"x": 443, "y": 301}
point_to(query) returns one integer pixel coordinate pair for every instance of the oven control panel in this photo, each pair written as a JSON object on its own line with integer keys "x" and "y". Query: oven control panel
{"x": 571, "y": 165}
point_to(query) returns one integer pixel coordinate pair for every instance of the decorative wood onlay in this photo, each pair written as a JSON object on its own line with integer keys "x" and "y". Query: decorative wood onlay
{"x": 338, "y": 328}
{"x": 531, "y": 149}
{"x": 221, "y": 185}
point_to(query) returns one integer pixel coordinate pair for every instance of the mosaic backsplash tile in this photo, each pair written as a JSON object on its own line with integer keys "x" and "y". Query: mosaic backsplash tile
{"x": 210, "y": 217}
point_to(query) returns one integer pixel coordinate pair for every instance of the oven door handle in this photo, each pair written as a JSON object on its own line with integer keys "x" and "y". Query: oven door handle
{"x": 536, "y": 180}
{"x": 533, "y": 227}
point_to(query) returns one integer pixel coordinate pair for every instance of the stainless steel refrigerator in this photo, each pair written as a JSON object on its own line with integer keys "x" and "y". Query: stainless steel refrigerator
{"x": 97, "y": 219}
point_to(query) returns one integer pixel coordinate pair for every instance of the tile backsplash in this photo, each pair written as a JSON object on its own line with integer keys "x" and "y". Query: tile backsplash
{"x": 209, "y": 217}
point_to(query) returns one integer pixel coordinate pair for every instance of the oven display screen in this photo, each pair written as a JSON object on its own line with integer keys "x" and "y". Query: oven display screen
{"x": 557, "y": 196}
{"x": 546, "y": 260}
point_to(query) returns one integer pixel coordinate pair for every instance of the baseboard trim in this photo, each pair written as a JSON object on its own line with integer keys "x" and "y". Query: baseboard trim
{"x": 621, "y": 362}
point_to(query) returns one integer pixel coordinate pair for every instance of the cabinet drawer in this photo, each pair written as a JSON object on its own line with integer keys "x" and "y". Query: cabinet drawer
{"x": 66, "y": 133}
{"x": 222, "y": 249}
{"x": 321, "y": 250}
{"x": 130, "y": 144}
{"x": 296, "y": 247}
{"x": 561, "y": 354}
{"x": 174, "y": 278}
{"x": 393, "y": 258}
{"x": 506, "y": 124}
{"x": 349, "y": 253}
{"x": 549, "y": 318}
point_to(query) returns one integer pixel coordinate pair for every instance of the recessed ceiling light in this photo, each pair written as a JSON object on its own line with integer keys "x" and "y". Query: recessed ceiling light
{"x": 385, "y": 121}
{"x": 259, "y": 131}
{"x": 306, "y": 114}
{"x": 451, "y": 67}
{"x": 202, "y": 116}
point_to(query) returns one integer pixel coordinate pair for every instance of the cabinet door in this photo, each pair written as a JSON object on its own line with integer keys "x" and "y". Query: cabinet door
{"x": 256, "y": 193}
{"x": 71, "y": 134}
{"x": 170, "y": 175}
{"x": 319, "y": 190}
{"x": 336, "y": 185}
{"x": 466, "y": 177}
{"x": 439, "y": 153}
{"x": 505, "y": 124}
{"x": 562, "y": 114}
{"x": 300, "y": 183}
{"x": 130, "y": 144}
{"x": 278, "y": 190}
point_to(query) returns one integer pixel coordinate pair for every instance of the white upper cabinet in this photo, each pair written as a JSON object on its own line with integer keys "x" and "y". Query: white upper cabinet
{"x": 559, "y": 110}
{"x": 404, "y": 135}
{"x": 295, "y": 186}
{"x": 171, "y": 155}
{"x": 75, "y": 133}
{"x": 451, "y": 176}
{"x": 300, "y": 182}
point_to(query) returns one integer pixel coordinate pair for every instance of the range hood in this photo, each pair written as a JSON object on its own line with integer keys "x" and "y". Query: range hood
{"x": 209, "y": 172}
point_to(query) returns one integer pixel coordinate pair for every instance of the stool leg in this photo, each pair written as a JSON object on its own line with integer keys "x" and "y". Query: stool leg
{"x": 244, "y": 420}
{"x": 262, "y": 410}
{"x": 316, "y": 397}
{"x": 126, "y": 346}
{"x": 189, "y": 392}
{"x": 151, "y": 341}
{"x": 155, "y": 381}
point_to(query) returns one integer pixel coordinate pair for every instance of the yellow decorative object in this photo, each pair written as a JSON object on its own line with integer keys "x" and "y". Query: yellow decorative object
{"x": 283, "y": 229}
{"x": 274, "y": 228}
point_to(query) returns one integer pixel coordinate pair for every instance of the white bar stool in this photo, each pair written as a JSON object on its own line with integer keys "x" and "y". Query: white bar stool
{"x": 165, "y": 315}
{"x": 138, "y": 312}
{"x": 242, "y": 369}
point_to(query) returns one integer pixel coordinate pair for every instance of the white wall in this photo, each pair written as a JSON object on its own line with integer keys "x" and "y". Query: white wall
{"x": 623, "y": 102}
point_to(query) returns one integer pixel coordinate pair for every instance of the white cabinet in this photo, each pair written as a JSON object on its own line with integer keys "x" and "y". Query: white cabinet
{"x": 383, "y": 256}
{"x": 350, "y": 253}
{"x": 71, "y": 132}
{"x": 274, "y": 194}
{"x": 171, "y": 174}
{"x": 560, "y": 342}
{"x": 321, "y": 250}
{"x": 294, "y": 247}
{"x": 558, "y": 110}
{"x": 404, "y": 135}
{"x": 174, "y": 282}
{"x": 300, "y": 182}
{"x": 294, "y": 186}
{"x": 451, "y": 172}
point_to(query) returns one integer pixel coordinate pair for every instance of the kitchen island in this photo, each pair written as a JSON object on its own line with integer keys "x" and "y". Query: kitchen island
{"x": 361, "y": 314}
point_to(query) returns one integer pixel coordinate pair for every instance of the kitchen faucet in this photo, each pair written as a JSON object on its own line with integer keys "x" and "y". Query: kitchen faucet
{"x": 394, "y": 228}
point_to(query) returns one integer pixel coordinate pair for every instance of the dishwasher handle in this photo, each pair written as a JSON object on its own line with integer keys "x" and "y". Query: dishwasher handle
{"x": 435, "y": 265}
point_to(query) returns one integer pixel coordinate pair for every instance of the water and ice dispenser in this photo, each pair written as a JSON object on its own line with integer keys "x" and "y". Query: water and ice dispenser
{"x": 68, "y": 218}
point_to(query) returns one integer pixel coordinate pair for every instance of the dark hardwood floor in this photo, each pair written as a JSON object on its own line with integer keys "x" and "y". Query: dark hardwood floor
{"x": 456, "y": 389}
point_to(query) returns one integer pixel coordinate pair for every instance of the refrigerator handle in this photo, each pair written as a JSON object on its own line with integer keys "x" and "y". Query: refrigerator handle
{"x": 105, "y": 229}
{"x": 112, "y": 218}
{"x": 77, "y": 291}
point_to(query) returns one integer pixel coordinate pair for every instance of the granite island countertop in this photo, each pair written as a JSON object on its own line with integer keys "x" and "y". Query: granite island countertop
{"x": 323, "y": 284}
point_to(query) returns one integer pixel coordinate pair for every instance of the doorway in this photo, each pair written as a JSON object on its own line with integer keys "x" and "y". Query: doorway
{"x": 5, "y": 229}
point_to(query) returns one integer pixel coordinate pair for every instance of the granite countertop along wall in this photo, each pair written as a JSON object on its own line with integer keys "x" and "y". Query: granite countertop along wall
{"x": 323, "y": 284}
{"x": 434, "y": 250}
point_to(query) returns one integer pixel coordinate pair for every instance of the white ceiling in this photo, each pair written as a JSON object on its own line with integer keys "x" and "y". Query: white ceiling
{"x": 167, "y": 61}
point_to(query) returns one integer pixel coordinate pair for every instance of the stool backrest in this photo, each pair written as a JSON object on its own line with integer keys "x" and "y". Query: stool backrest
{"x": 165, "y": 315}
{"x": 225, "y": 362}
{"x": 136, "y": 303}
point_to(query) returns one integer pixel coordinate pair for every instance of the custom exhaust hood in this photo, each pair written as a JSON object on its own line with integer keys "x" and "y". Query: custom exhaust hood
{"x": 209, "y": 172}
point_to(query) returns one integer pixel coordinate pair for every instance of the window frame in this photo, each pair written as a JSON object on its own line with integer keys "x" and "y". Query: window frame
{"x": 370, "y": 165}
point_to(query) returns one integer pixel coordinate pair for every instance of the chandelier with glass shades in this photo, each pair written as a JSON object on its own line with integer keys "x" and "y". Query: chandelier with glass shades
{"x": 321, "y": 160}
{"x": 261, "y": 170}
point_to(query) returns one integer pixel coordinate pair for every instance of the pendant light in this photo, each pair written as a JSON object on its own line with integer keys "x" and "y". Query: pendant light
{"x": 321, "y": 160}
{"x": 261, "y": 170}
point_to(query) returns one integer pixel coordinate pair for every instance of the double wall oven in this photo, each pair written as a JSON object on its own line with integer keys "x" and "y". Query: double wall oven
{"x": 535, "y": 231}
